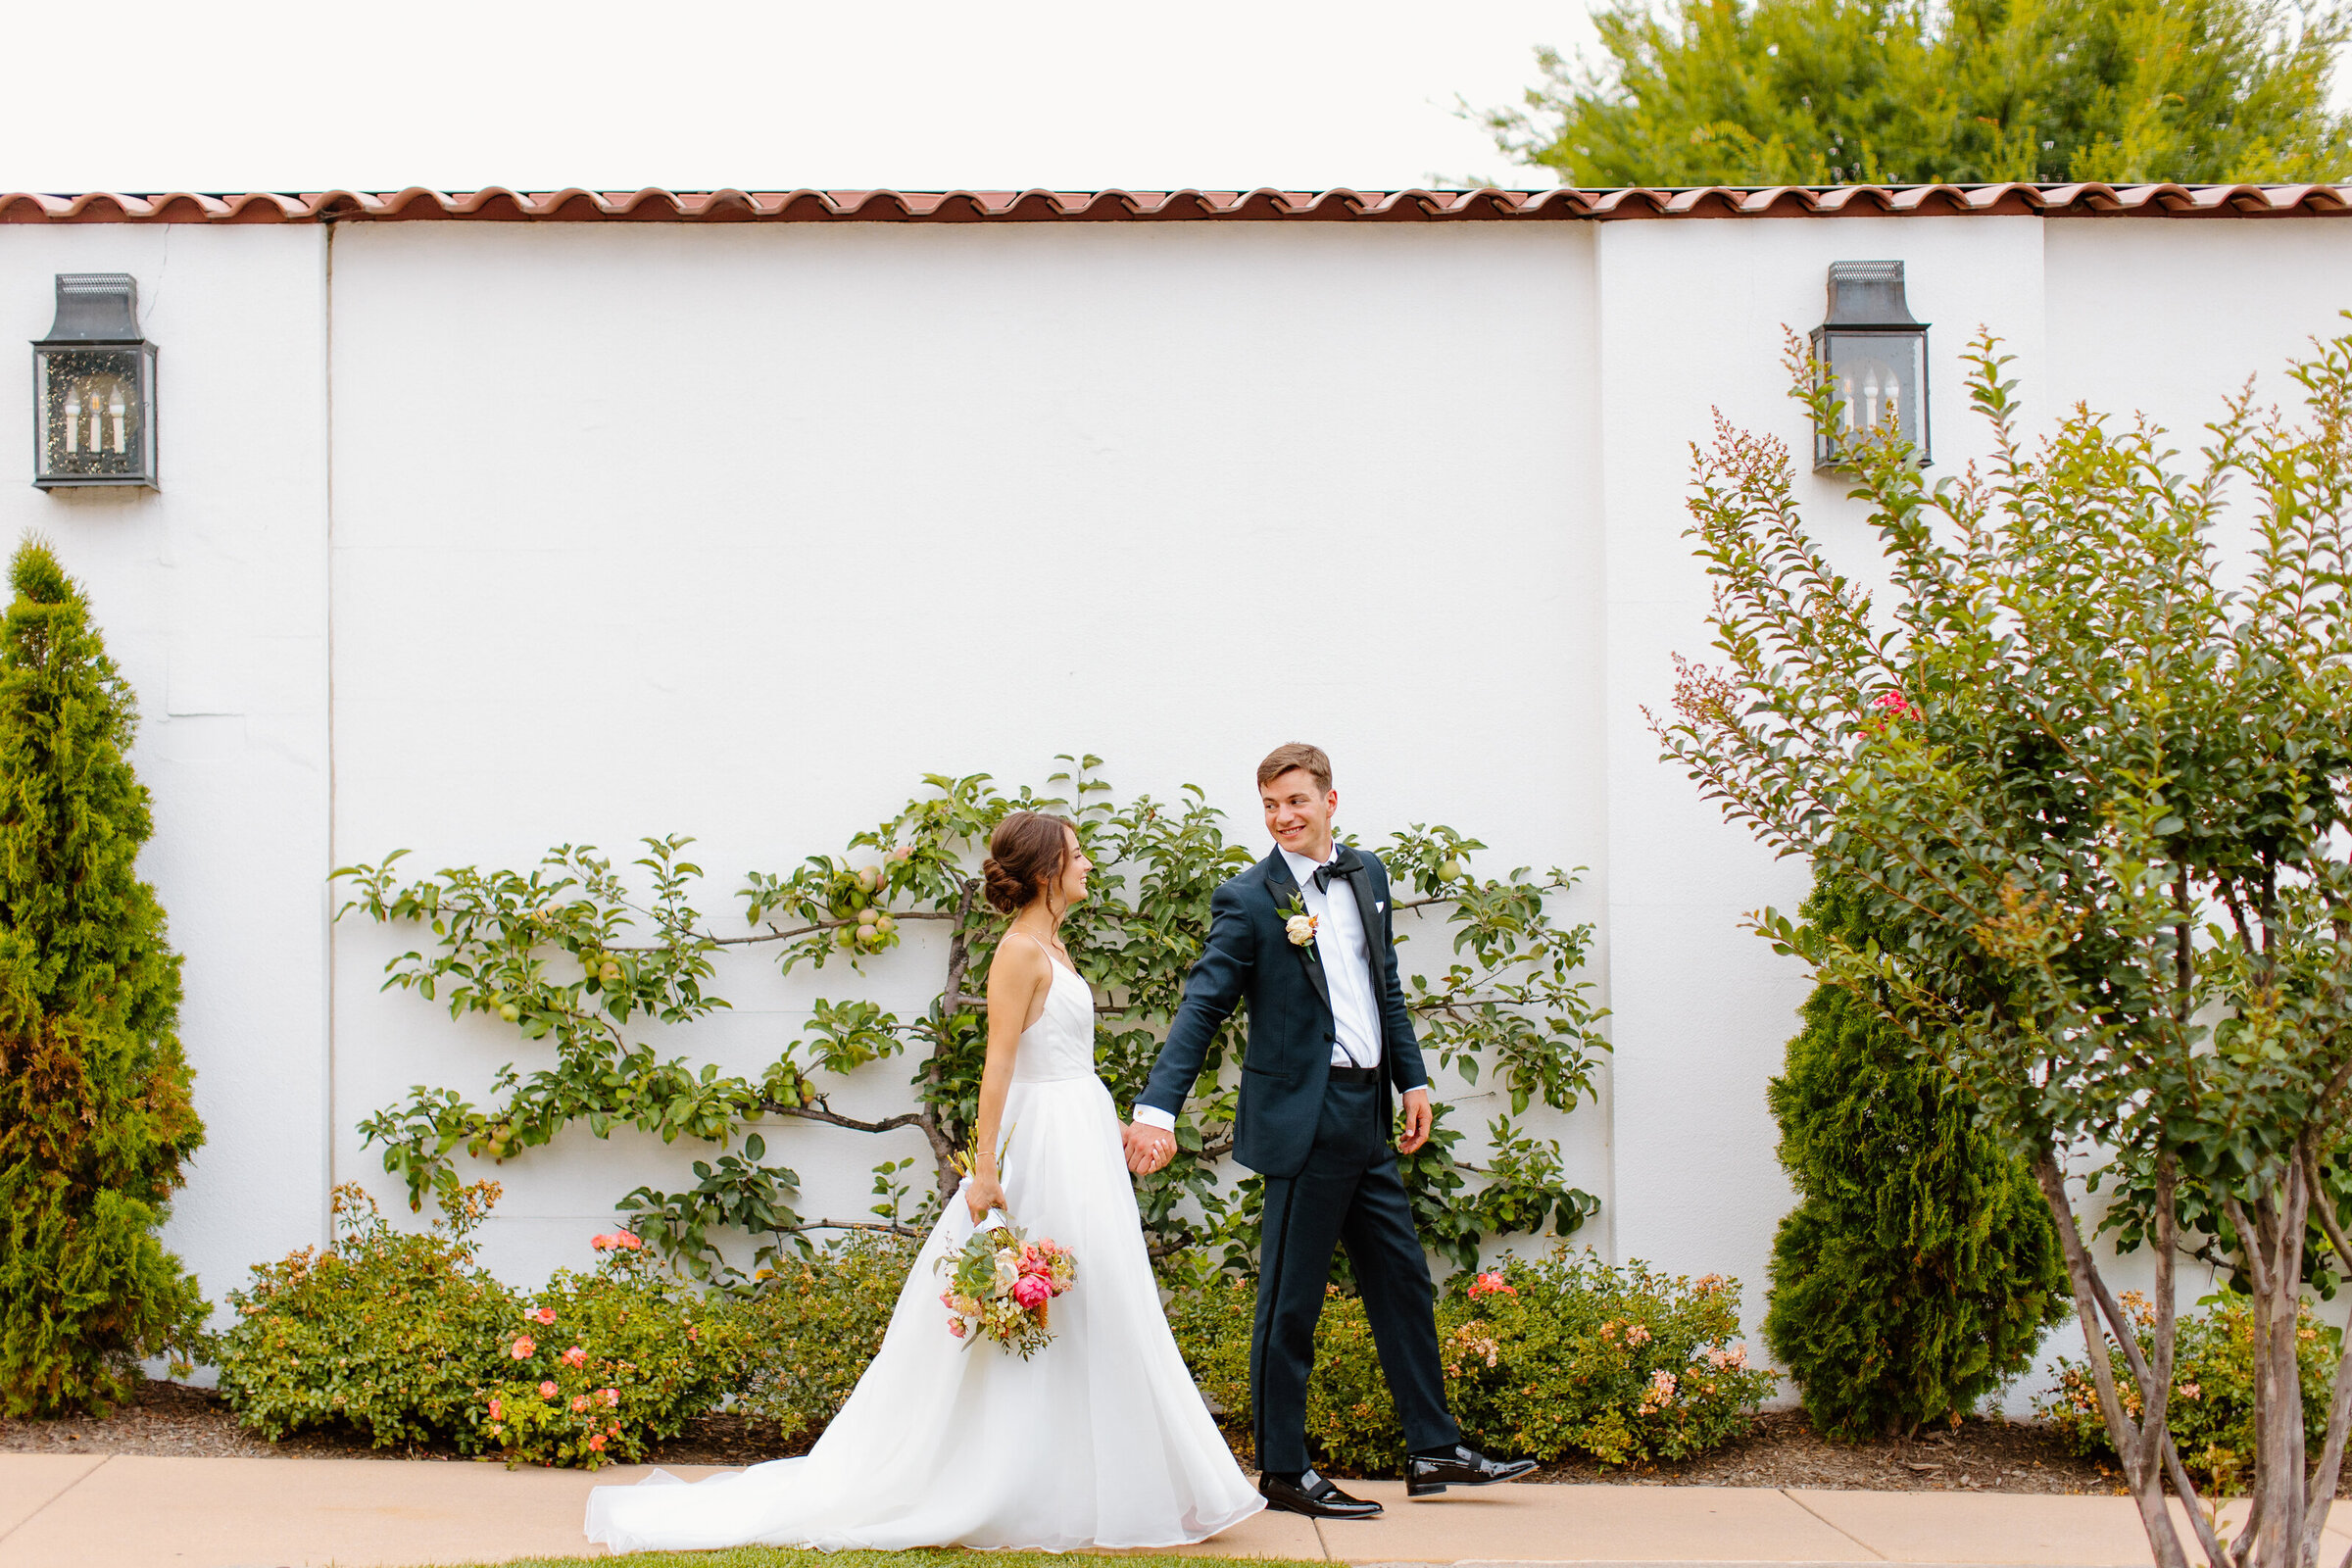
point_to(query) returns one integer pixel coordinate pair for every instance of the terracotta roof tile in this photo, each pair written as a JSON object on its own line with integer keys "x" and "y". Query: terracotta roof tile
{"x": 574, "y": 205}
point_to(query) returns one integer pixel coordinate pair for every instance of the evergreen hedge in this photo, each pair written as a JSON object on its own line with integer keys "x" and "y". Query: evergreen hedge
{"x": 1920, "y": 1268}
{"x": 94, "y": 1093}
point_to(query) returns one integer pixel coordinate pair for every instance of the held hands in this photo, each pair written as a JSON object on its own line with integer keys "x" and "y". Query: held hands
{"x": 1417, "y": 1121}
{"x": 1149, "y": 1149}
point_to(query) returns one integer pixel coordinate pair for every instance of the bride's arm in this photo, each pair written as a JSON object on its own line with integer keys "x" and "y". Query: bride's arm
{"x": 1015, "y": 978}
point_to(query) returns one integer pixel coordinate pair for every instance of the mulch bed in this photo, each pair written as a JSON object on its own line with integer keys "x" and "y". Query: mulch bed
{"x": 1783, "y": 1450}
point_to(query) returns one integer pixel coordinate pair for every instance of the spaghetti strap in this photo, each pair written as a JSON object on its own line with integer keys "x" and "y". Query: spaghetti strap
{"x": 1050, "y": 960}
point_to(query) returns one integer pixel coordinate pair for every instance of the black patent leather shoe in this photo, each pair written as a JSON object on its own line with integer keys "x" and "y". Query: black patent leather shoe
{"x": 1465, "y": 1466}
{"x": 1315, "y": 1496}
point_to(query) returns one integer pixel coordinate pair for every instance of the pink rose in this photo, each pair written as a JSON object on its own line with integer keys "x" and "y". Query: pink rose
{"x": 612, "y": 1397}
{"x": 545, "y": 1315}
{"x": 1030, "y": 1290}
{"x": 955, "y": 1327}
{"x": 575, "y": 1357}
{"x": 627, "y": 1239}
{"x": 523, "y": 1346}
{"x": 495, "y": 1413}
{"x": 601, "y": 1242}
{"x": 1491, "y": 1283}
{"x": 580, "y": 1403}
{"x": 547, "y": 1391}
{"x": 597, "y": 1442}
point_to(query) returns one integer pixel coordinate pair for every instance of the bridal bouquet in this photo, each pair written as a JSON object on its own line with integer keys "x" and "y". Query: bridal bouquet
{"x": 999, "y": 1288}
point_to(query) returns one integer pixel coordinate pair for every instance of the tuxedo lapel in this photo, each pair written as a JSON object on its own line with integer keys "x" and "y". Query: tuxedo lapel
{"x": 1285, "y": 893}
{"x": 1368, "y": 908}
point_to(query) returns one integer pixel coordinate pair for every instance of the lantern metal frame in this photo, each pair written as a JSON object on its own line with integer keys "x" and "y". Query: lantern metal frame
{"x": 97, "y": 319}
{"x": 1867, "y": 302}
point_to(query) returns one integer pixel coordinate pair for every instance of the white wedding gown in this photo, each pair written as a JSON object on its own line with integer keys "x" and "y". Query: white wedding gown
{"x": 1098, "y": 1439}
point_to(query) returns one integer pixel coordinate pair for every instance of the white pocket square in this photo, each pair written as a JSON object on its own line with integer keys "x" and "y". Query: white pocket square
{"x": 1378, "y": 904}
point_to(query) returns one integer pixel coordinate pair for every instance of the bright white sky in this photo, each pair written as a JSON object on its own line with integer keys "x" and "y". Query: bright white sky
{"x": 921, "y": 94}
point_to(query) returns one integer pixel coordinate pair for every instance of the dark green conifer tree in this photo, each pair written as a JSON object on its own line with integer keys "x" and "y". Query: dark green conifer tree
{"x": 95, "y": 1116}
{"x": 1920, "y": 1268}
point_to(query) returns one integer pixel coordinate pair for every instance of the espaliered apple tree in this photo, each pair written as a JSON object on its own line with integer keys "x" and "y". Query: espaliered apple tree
{"x": 2088, "y": 781}
{"x": 590, "y": 970}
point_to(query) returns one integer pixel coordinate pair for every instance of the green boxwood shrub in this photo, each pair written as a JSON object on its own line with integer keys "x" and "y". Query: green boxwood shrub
{"x": 387, "y": 1333}
{"x": 1543, "y": 1358}
{"x": 2211, "y": 1412}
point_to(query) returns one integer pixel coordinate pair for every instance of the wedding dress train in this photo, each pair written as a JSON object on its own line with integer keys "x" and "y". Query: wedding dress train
{"x": 1100, "y": 1440}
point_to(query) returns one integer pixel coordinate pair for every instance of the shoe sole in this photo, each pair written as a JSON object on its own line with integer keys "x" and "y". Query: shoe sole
{"x": 1318, "y": 1514}
{"x": 1431, "y": 1489}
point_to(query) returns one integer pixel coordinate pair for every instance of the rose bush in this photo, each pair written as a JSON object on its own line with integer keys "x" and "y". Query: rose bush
{"x": 2211, "y": 1405}
{"x": 1543, "y": 1358}
{"x": 385, "y": 1334}
{"x": 603, "y": 1365}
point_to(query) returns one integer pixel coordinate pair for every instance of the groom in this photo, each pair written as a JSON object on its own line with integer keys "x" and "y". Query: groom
{"x": 1304, "y": 936}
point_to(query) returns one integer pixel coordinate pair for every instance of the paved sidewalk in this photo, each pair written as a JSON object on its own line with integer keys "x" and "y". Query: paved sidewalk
{"x": 123, "y": 1511}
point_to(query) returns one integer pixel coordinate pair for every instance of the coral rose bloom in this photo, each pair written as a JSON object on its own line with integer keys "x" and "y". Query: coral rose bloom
{"x": 524, "y": 1344}
{"x": 547, "y": 1391}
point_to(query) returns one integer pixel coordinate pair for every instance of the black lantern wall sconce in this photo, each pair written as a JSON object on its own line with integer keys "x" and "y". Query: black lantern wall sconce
{"x": 93, "y": 387}
{"x": 1876, "y": 359}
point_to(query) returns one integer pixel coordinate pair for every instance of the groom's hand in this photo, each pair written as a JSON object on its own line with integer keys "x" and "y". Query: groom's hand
{"x": 1417, "y": 1121}
{"x": 1149, "y": 1148}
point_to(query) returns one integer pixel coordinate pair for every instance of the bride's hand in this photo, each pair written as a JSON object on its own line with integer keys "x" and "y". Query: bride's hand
{"x": 982, "y": 1194}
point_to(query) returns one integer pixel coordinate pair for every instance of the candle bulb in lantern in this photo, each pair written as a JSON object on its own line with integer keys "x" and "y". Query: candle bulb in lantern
{"x": 72, "y": 422}
{"x": 114, "y": 410}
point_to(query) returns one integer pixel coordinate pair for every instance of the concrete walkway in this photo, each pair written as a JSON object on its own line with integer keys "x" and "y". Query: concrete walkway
{"x": 123, "y": 1511}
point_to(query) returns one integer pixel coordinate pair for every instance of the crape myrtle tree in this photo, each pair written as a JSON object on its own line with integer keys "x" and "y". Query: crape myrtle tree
{"x": 574, "y": 957}
{"x": 2090, "y": 791}
{"x": 95, "y": 1116}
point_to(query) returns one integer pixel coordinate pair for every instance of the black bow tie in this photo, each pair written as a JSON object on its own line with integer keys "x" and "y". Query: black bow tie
{"x": 1345, "y": 863}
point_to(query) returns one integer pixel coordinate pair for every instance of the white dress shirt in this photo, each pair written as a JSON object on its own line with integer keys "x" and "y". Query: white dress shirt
{"x": 1345, "y": 953}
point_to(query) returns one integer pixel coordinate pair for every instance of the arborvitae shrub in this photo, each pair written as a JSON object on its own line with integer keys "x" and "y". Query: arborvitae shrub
{"x": 1920, "y": 1268}
{"x": 94, "y": 1110}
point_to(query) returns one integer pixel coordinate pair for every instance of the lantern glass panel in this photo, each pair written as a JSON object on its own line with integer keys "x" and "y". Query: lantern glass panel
{"x": 1878, "y": 377}
{"x": 94, "y": 413}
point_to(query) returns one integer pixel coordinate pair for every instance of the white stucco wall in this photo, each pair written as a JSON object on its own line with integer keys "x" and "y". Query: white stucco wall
{"x": 737, "y": 530}
{"x": 212, "y": 596}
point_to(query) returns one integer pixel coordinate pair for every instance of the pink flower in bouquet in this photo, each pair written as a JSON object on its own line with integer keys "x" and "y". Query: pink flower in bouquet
{"x": 575, "y": 1357}
{"x": 547, "y": 1391}
{"x": 1491, "y": 1283}
{"x": 523, "y": 1348}
{"x": 1030, "y": 1290}
{"x": 955, "y": 1327}
{"x": 597, "y": 1442}
{"x": 543, "y": 1316}
{"x": 1036, "y": 1261}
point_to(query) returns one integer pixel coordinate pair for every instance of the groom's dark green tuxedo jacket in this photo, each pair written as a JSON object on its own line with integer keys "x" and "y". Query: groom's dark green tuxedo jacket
{"x": 1250, "y": 957}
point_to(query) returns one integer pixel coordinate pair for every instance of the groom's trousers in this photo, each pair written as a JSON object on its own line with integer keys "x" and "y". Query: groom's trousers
{"x": 1349, "y": 1194}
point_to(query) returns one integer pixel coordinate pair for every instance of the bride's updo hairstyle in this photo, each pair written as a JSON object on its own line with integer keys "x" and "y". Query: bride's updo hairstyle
{"x": 1025, "y": 854}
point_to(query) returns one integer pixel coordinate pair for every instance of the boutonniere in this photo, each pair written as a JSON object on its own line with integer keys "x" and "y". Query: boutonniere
{"x": 1297, "y": 923}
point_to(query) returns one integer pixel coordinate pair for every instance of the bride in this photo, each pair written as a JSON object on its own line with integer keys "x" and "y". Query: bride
{"x": 1098, "y": 1439}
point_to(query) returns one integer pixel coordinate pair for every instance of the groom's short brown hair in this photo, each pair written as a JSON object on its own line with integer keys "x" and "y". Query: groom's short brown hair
{"x": 1297, "y": 755}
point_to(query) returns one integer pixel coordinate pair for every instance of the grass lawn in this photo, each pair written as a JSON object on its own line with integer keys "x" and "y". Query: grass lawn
{"x": 787, "y": 1557}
